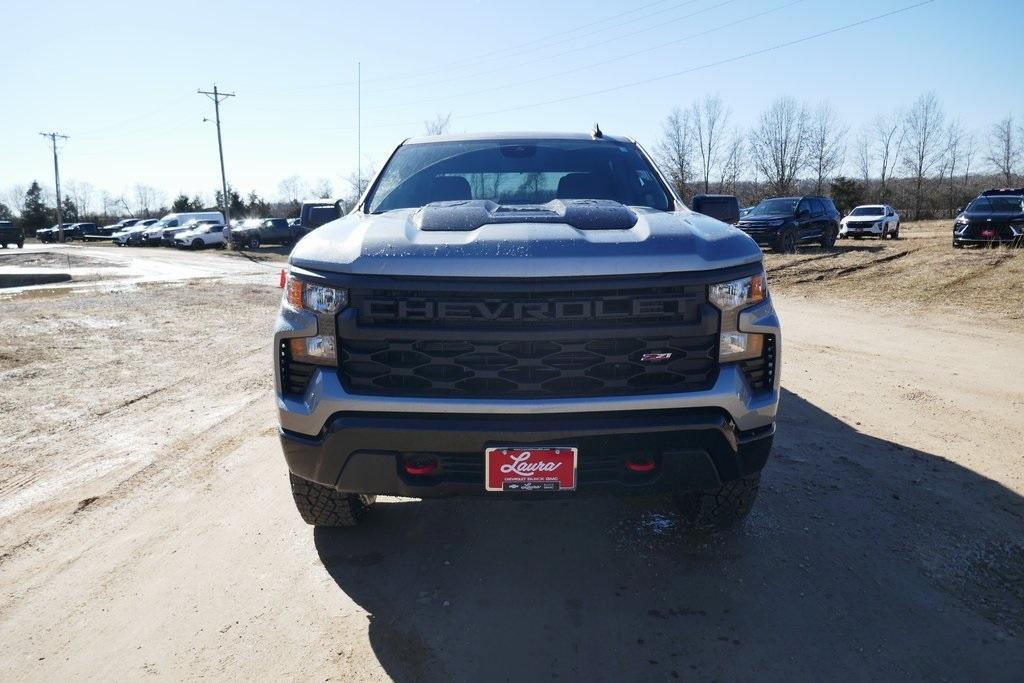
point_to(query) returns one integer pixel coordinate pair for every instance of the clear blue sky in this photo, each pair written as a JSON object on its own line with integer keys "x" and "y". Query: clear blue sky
{"x": 121, "y": 78}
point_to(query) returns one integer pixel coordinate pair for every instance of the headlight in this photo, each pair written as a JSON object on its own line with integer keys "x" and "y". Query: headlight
{"x": 325, "y": 302}
{"x": 731, "y": 298}
{"x": 316, "y": 298}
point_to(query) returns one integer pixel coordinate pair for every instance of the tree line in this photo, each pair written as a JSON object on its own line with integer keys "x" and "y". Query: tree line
{"x": 919, "y": 159}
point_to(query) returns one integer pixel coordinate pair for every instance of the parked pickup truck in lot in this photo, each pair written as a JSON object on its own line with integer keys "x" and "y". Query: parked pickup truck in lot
{"x": 784, "y": 223}
{"x": 11, "y": 234}
{"x": 517, "y": 315}
{"x": 52, "y": 233}
{"x": 994, "y": 217}
{"x": 871, "y": 220}
{"x": 253, "y": 233}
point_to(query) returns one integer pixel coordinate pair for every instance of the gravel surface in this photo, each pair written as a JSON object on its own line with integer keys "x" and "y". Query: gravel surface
{"x": 146, "y": 525}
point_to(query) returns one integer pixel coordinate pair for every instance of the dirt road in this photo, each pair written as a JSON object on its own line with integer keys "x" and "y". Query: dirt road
{"x": 146, "y": 525}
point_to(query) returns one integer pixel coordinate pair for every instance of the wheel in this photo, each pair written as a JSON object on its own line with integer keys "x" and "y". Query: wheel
{"x": 885, "y": 232}
{"x": 786, "y": 242}
{"x": 3, "y": 245}
{"x": 856, "y": 237}
{"x": 21, "y": 245}
{"x": 253, "y": 243}
{"x": 197, "y": 244}
{"x": 721, "y": 508}
{"x": 828, "y": 240}
{"x": 896, "y": 233}
{"x": 323, "y": 506}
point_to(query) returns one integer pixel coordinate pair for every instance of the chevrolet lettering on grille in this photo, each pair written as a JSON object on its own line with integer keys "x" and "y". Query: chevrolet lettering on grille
{"x": 497, "y": 311}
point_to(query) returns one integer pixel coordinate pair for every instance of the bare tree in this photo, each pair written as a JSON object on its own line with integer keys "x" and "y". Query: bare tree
{"x": 827, "y": 140}
{"x": 146, "y": 198}
{"x": 709, "y": 118}
{"x": 357, "y": 185}
{"x": 923, "y": 150}
{"x": 956, "y": 141}
{"x": 322, "y": 189}
{"x": 734, "y": 161}
{"x": 779, "y": 144}
{"x": 292, "y": 189}
{"x": 1004, "y": 148}
{"x": 439, "y": 126}
{"x": 888, "y": 132}
{"x": 675, "y": 151}
{"x": 864, "y": 157}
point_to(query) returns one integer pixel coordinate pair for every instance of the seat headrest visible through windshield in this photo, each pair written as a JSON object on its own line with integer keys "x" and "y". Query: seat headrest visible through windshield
{"x": 448, "y": 188}
{"x": 579, "y": 186}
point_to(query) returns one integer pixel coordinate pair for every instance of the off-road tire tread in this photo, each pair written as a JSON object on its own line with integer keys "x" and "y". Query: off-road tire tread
{"x": 323, "y": 506}
{"x": 719, "y": 509}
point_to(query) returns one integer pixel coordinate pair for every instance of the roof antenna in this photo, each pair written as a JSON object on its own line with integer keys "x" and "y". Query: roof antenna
{"x": 597, "y": 132}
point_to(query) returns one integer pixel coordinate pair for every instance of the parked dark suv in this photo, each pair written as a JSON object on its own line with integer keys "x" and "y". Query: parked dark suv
{"x": 994, "y": 217}
{"x": 784, "y": 223}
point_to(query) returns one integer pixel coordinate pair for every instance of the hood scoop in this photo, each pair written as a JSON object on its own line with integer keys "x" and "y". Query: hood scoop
{"x": 582, "y": 214}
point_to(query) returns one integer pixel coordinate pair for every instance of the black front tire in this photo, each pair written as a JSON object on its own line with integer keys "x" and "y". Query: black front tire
{"x": 896, "y": 234}
{"x": 197, "y": 244}
{"x": 323, "y": 506}
{"x": 721, "y": 508}
{"x": 828, "y": 240}
{"x": 253, "y": 243}
{"x": 786, "y": 242}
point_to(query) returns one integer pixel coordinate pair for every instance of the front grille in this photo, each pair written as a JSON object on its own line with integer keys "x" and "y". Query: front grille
{"x": 295, "y": 376}
{"x": 760, "y": 372}
{"x": 548, "y": 368}
{"x": 529, "y": 341}
{"x": 860, "y": 225}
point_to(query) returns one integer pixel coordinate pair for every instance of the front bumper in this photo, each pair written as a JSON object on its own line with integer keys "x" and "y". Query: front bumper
{"x": 364, "y": 452}
{"x": 851, "y": 230}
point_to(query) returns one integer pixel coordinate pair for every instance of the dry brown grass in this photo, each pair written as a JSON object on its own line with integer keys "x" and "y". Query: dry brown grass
{"x": 921, "y": 269}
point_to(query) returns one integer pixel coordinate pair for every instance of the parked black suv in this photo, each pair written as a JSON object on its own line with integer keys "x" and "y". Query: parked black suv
{"x": 784, "y": 223}
{"x": 994, "y": 217}
{"x": 266, "y": 231}
{"x": 11, "y": 234}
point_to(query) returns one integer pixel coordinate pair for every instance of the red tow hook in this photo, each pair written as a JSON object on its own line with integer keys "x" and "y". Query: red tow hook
{"x": 641, "y": 465}
{"x": 419, "y": 468}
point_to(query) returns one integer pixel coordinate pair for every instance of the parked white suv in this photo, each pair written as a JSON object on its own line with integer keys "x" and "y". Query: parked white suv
{"x": 204, "y": 235}
{"x": 871, "y": 220}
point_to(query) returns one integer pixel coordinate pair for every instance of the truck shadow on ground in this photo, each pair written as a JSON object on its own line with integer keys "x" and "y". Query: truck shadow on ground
{"x": 863, "y": 558}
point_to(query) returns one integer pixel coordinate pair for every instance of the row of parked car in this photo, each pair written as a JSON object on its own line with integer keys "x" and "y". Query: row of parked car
{"x": 199, "y": 229}
{"x": 994, "y": 218}
{"x": 785, "y": 223}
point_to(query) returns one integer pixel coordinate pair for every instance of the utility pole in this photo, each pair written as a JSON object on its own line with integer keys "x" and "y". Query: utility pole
{"x": 56, "y": 179}
{"x": 217, "y": 98}
{"x": 359, "y": 129}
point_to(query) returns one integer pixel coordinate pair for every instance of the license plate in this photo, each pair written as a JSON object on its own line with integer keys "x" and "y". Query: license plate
{"x": 530, "y": 468}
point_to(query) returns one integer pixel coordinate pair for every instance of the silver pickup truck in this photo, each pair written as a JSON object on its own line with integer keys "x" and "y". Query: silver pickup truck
{"x": 525, "y": 315}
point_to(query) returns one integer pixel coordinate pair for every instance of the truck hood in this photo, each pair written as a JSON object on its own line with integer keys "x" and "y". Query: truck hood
{"x": 392, "y": 244}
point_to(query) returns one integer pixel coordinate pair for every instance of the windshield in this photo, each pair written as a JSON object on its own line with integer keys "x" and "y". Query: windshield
{"x": 1007, "y": 204}
{"x": 867, "y": 211}
{"x": 773, "y": 207}
{"x": 516, "y": 172}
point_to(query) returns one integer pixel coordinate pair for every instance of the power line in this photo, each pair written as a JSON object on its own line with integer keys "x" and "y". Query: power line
{"x": 56, "y": 180}
{"x": 592, "y": 65}
{"x": 503, "y": 52}
{"x": 217, "y": 98}
{"x": 676, "y": 74}
{"x": 618, "y": 38}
